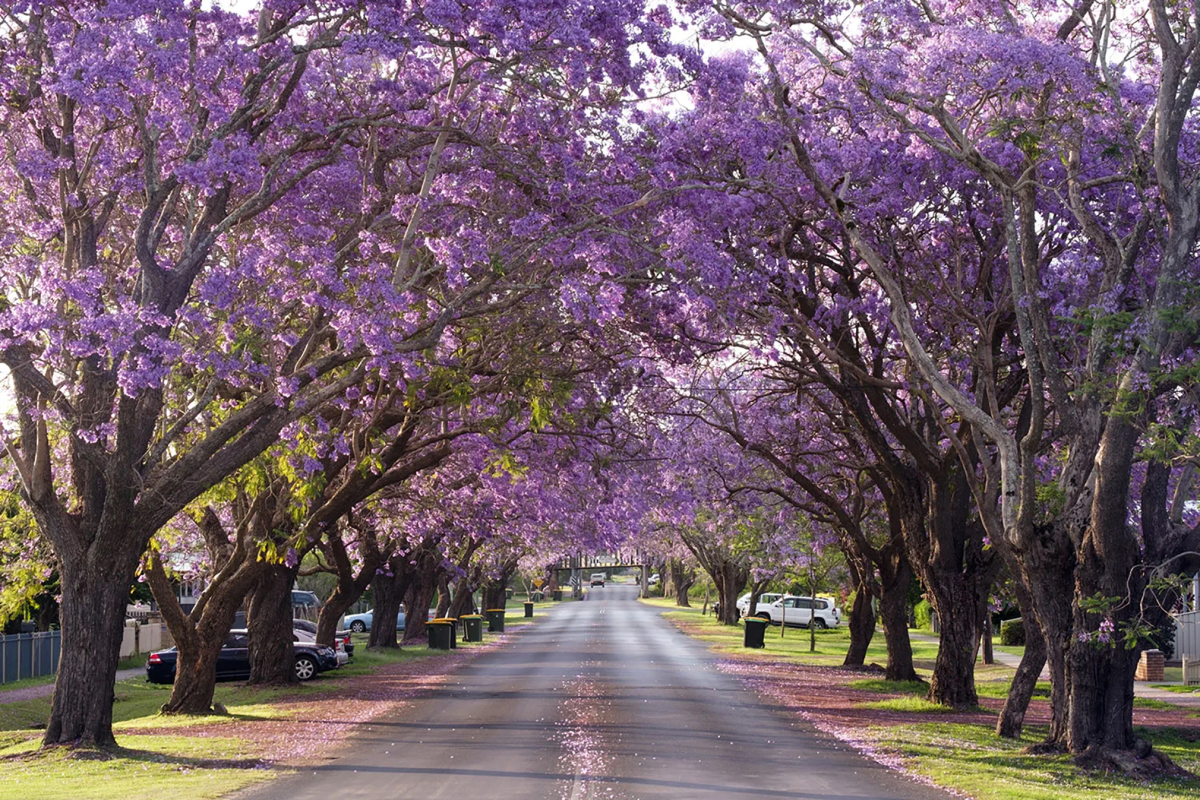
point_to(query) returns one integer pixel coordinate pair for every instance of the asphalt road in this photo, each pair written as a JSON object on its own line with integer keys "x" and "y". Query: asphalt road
{"x": 603, "y": 699}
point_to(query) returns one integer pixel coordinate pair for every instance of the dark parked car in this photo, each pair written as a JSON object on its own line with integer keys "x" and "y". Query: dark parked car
{"x": 233, "y": 664}
{"x": 311, "y": 627}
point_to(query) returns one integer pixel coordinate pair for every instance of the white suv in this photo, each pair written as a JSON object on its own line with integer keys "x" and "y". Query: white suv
{"x": 801, "y": 611}
{"x": 765, "y": 599}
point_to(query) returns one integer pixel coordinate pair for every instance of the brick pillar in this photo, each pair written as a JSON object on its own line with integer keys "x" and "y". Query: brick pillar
{"x": 1150, "y": 666}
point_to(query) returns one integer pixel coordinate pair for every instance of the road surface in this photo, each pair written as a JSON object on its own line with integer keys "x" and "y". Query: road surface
{"x": 602, "y": 699}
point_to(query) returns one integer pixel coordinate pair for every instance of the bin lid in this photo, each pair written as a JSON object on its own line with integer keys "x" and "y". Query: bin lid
{"x": 500, "y": 610}
{"x": 755, "y": 619}
{"x": 471, "y": 616}
{"x": 440, "y": 621}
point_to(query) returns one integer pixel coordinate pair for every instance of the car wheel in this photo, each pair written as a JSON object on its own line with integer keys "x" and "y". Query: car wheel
{"x": 819, "y": 624}
{"x": 358, "y": 626}
{"x": 306, "y": 668}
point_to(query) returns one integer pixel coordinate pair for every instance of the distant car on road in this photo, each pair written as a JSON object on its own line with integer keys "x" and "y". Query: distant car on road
{"x": 765, "y": 599}
{"x": 803, "y": 611}
{"x": 598, "y": 578}
{"x": 233, "y": 662}
{"x": 361, "y": 623}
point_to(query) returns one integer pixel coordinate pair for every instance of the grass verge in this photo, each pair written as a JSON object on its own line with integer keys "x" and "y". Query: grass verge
{"x": 973, "y": 761}
{"x": 792, "y": 644}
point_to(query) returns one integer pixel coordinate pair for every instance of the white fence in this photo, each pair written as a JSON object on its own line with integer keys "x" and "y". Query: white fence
{"x": 1187, "y": 636}
{"x": 144, "y": 637}
{"x": 1191, "y": 671}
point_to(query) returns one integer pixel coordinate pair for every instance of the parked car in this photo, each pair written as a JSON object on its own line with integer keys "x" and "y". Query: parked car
{"x": 598, "y": 578}
{"x": 233, "y": 663}
{"x": 653, "y": 580}
{"x": 765, "y": 599}
{"x": 801, "y": 611}
{"x": 361, "y": 623}
{"x": 305, "y": 605}
{"x": 342, "y": 638}
{"x": 301, "y": 635}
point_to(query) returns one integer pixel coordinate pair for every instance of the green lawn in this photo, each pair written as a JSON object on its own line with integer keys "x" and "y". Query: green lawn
{"x": 791, "y": 644}
{"x": 144, "y": 766}
{"x": 972, "y": 760}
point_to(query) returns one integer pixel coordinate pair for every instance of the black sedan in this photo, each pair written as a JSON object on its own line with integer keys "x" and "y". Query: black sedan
{"x": 233, "y": 664}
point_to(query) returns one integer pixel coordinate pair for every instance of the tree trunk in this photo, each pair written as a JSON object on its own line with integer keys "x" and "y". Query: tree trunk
{"x": 733, "y": 579}
{"x": 494, "y": 595}
{"x": 339, "y": 603}
{"x": 955, "y": 599}
{"x": 416, "y": 604}
{"x": 1101, "y": 699}
{"x": 1047, "y": 569}
{"x": 862, "y": 629}
{"x": 895, "y": 579}
{"x": 351, "y": 582}
{"x": 195, "y": 677}
{"x": 1020, "y": 692}
{"x": 200, "y": 636}
{"x": 95, "y": 590}
{"x": 443, "y": 593}
{"x": 985, "y": 635}
{"x": 682, "y": 578}
{"x": 463, "y": 600}
{"x": 269, "y": 622}
{"x": 388, "y": 590}
{"x": 862, "y": 614}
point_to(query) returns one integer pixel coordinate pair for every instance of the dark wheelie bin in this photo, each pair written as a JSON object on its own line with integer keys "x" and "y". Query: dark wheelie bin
{"x": 472, "y": 628}
{"x": 756, "y": 632}
{"x": 441, "y": 634}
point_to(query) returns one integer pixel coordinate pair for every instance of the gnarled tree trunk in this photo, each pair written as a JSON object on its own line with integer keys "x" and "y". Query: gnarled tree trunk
{"x": 200, "y": 635}
{"x": 862, "y": 618}
{"x": 443, "y": 597}
{"x": 953, "y": 684}
{"x": 389, "y": 591}
{"x": 893, "y": 615}
{"x": 269, "y": 622}
{"x": 95, "y": 590}
{"x": 730, "y": 578}
{"x": 463, "y": 600}
{"x": 682, "y": 579}
{"x": 1020, "y": 692}
{"x": 416, "y": 604}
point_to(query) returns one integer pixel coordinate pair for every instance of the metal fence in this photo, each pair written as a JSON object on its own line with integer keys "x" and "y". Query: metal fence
{"x": 1187, "y": 635}
{"x": 29, "y": 655}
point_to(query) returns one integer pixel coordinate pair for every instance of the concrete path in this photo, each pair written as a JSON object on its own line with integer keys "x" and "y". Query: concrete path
{"x": 603, "y": 699}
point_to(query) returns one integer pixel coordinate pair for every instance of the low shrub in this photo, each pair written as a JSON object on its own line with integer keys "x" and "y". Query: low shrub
{"x": 923, "y": 614}
{"x": 1012, "y": 632}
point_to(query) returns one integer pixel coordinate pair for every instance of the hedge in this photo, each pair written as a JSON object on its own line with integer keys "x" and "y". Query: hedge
{"x": 1012, "y": 632}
